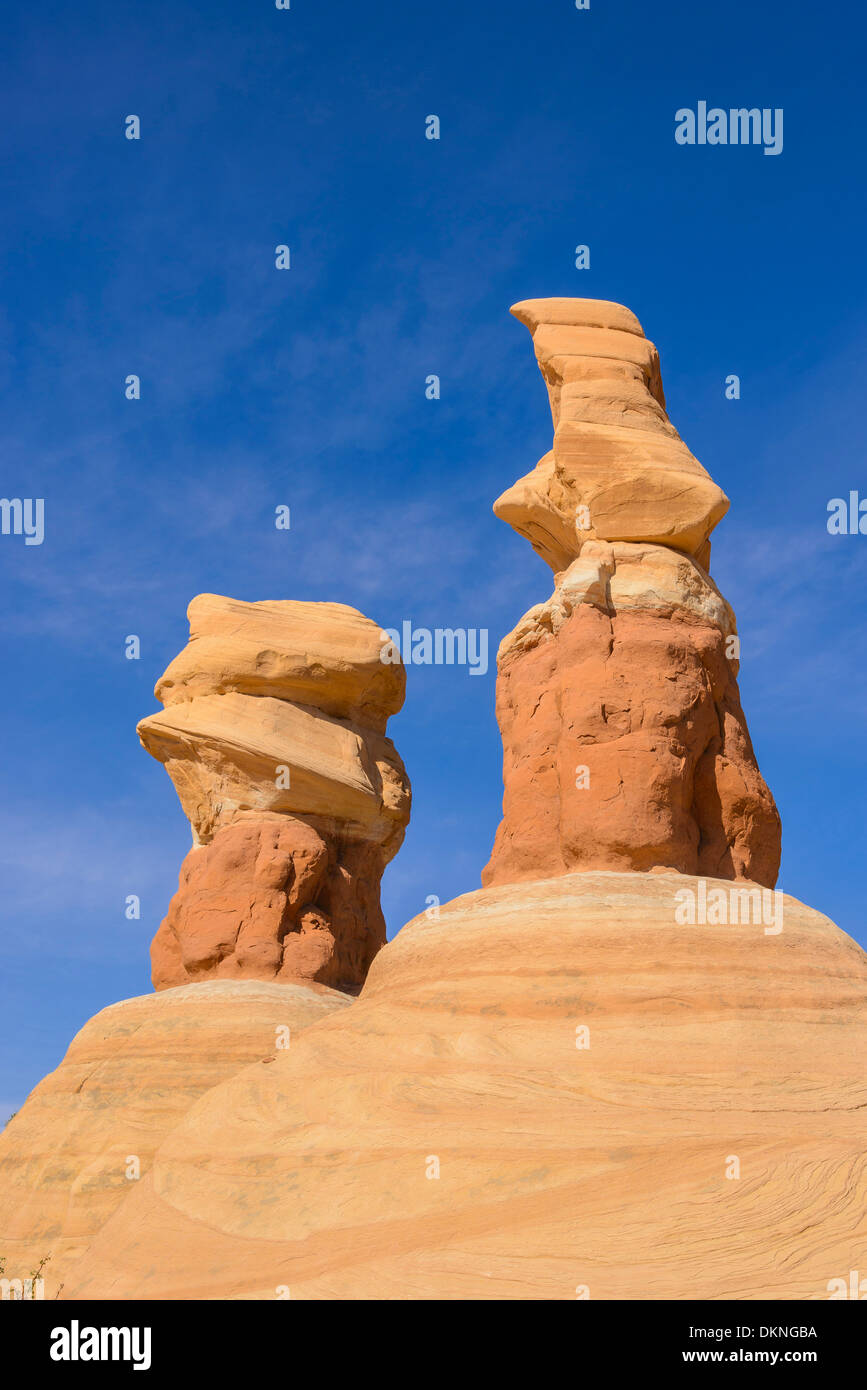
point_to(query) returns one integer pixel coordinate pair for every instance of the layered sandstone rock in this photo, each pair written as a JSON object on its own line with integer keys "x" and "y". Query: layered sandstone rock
{"x": 618, "y": 470}
{"x": 624, "y": 742}
{"x": 88, "y": 1132}
{"x": 550, "y": 1087}
{"x": 322, "y": 654}
{"x": 625, "y": 1070}
{"x": 273, "y": 734}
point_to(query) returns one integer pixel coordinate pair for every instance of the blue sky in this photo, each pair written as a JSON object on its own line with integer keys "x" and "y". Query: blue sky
{"x": 306, "y": 387}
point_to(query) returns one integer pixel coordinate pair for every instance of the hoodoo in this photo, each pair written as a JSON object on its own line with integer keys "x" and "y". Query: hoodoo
{"x": 556, "y": 1088}
{"x": 624, "y": 742}
{"x": 561, "y": 1085}
{"x": 273, "y": 733}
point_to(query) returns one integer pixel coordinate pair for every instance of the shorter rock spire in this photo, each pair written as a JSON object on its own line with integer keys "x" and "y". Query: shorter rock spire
{"x": 273, "y": 734}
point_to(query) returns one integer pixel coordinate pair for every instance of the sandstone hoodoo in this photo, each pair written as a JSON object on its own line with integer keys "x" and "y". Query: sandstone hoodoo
{"x": 273, "y": 733}
{"x": 623, "y": 1068}
{"x": 593, "y": 1081}
{"x": 624, "y": 742}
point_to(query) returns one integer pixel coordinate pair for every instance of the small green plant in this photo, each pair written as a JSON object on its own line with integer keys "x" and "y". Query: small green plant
{"x": 36, "y": 1274}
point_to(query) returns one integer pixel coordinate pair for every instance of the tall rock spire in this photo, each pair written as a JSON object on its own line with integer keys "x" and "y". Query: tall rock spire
{"x": 625, "y": 745}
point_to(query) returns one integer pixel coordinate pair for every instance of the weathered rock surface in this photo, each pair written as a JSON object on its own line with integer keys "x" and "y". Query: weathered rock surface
{"x": 618, "y": 470}
{"x": 273, "y": 900}
{"x": 230, "y": 755}
{"x": 322, "y": 654}
{"x": 127, "y": 1078}
{"x": 273, "y": 737}
{"x": 624, "y": 742}
{"x": 586, "y": 1077}
{"x": 626, "y": 578}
